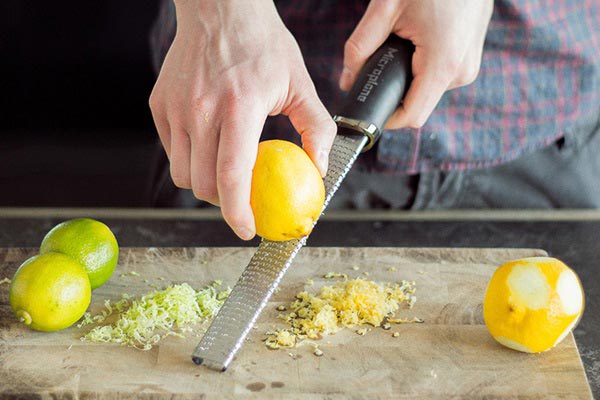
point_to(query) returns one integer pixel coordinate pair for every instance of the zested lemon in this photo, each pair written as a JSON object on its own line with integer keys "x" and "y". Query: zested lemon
{"x": 533, "y": 303}
{"x": 50, "y": 292}
{"x": 287, "y": 193}
{"x": 88, "y": 241}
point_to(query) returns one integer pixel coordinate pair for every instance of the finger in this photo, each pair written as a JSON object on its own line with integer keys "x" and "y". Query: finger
{"x": 373, "y": 29}
{"x": 470, "y": 65}
{"x": 238, "y": 142}
{"x": 203, "y": 166}
{"x": 162, "y": 127}
{"x": 425, "y": 91}
{"x": 312, "y": 121}
{"x": 180, "y": 159}
{"x": 467, "y": 72}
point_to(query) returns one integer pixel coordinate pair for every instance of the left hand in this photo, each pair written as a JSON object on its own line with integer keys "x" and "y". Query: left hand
{"x": 448, "y": 36}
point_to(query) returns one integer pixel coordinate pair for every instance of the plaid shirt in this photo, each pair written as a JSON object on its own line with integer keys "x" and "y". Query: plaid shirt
{"x": 539, "y": 80}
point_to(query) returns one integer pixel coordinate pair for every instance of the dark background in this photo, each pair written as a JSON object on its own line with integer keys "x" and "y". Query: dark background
{"x": 75, "y": 125}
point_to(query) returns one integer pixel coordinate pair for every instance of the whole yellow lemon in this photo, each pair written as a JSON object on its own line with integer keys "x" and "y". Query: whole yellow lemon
{"x": 89, "y": 242}
{"x": 287, "y": 193}
{"x": 531, "y": 304}
{"x": 50, "y": 292}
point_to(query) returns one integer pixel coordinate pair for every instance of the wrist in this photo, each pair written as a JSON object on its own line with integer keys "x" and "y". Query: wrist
{"x": 220, "y": 11}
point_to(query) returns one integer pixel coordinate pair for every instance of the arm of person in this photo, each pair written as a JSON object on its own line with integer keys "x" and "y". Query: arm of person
{"x": 232, "y": 63}
{"x": 448, "y": 38}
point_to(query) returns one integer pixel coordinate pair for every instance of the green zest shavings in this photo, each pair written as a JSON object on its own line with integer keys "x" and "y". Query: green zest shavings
{"x": 144, "y": 321}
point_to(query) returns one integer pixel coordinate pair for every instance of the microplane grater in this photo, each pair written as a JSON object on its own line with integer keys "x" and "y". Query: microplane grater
{"x": 375, "y": 95}
{"x": 267, "y": 267}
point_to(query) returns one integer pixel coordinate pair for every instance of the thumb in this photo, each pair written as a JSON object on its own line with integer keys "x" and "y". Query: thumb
{"x": 372, "y": 30}
{"x": 312, "y": 121}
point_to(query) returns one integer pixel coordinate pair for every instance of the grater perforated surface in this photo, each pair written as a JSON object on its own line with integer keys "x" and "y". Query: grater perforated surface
{"x": 261, "y": 277}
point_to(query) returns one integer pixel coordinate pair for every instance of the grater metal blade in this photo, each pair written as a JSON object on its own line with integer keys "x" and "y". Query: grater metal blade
{"x": 261, "y": 277}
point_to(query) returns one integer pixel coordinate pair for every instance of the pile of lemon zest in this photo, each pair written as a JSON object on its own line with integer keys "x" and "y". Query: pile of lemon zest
{"x": 5, "y": 280}
{"x": 345, "y": 304}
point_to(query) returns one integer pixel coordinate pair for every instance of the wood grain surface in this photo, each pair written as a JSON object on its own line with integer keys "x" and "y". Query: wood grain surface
{"x": 451, "y": 355}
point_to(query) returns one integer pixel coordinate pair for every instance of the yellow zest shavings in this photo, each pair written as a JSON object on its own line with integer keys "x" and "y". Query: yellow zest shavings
{"x": 318, "y": 352}
{"x": 346, "y": 304}
{"x": 5, "y": 280}
{"x": 142, "y": 322}
{"x": 331, "y": 275}
{"x": 406, "y": 320}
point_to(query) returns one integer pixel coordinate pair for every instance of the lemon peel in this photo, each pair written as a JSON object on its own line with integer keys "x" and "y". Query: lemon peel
{"x": 287, "y": 191}
{"x": 532, "y": 304}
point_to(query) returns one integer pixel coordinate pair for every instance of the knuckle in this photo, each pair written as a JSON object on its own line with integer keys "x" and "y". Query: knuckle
{"x": 206, "y": 192}
{"x": 237, "y": 216}
{"x": 180, "y": 178}
{"x": 181, "y": 181}
{"x": 384, "y": 7}
{"x": 470, "y": 74}
{"x": 417, "y": 121}
{"x": 452, "y": 68}
{"x": 231, "y": 97}
{"x": 329, "y": 127}
{"x": 200, "y": 103}
{"x": 451, "y": 63}
{"x": 420, "y": 121}
{"x": 230, "y": 176}
{"x": 153, "y": 101}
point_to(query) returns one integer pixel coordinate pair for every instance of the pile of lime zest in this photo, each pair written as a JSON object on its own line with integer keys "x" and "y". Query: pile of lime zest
{"x": 346, "y": 304}
{"x": 131, "y": 273}
{"x": 144, "y": 321}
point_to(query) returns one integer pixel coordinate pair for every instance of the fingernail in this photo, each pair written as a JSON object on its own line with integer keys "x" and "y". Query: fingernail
{"x": 322, "y": 162}
{"x": 244, "y": 233}
{"x": 345, "y": 79}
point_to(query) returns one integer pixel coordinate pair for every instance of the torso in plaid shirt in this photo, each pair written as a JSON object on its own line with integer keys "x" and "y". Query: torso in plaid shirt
{"x": 539, "y": 78}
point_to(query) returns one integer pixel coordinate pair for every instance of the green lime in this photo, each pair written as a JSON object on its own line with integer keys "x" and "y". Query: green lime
{"x": 50, "y": 292}
{"x": 89, "y": 242}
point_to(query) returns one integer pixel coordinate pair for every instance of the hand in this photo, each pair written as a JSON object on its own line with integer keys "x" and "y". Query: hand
{"x": 232, "y": 63}
{"x": 448, "y": 36}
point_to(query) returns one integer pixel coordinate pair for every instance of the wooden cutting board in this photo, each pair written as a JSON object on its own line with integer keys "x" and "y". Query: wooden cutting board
{"x": 450, "y": 355}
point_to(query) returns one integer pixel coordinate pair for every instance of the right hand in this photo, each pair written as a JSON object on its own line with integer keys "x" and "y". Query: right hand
{"x": 448, "y": 38}
{"x": 232, "y": 63}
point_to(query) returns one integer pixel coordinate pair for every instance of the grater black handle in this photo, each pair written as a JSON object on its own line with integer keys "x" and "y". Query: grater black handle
{"x": 378, "y": 90}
